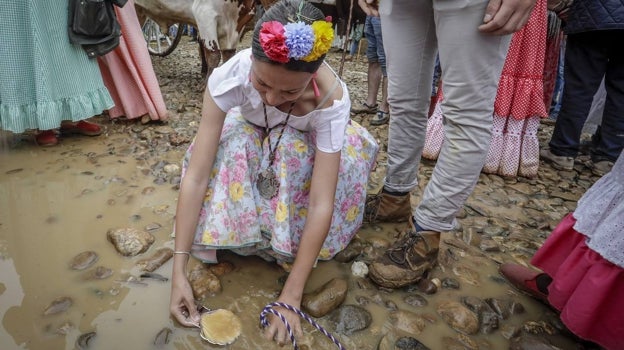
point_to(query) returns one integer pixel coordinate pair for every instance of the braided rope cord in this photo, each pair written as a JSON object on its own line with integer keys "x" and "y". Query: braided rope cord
{"x": 269, "y": 309}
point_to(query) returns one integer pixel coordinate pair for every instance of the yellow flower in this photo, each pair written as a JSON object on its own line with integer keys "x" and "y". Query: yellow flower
{"x": 324, "y": 253}
{"x": 247, "y": 129}
{"x": 351, "y": 151}
{"x": 280, "y": 212}
{"x": 323, "y": 37}
{"x": 236, "y": 191}
{"x": 303, "y": 213}
{"x": 352, "y": 213}
{"x": 209, "y": 193}
{"x": 300, "y": 146}
{"x": 307, "y": 184}
{"x": 232, "y": 237}
{"x": 207, "y": 238}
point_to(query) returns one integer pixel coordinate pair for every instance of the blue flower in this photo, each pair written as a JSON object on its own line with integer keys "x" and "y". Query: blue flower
{"x": 299, "y": 39}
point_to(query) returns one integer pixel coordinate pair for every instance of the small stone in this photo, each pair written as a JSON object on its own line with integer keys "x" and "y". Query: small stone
{"x": 450, "y": 283}
{"x": 359, "y": 269}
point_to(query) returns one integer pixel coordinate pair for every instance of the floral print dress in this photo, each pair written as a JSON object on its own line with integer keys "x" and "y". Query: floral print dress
{"x": 235, "y": 216}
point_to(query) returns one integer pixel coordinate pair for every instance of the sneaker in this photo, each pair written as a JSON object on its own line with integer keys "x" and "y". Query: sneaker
{"x": 408, "y": 260}
{"x": 365, "y": 108}
{"x": 46, "y": 138}
{"x": 557, "y": 162}
{"x": 380, "y": 118}
{"x": 386, "y": 207}
{"x": 600, "y": 168}
{"x": 524, "y": 280}
{"x": 82, "y": 128}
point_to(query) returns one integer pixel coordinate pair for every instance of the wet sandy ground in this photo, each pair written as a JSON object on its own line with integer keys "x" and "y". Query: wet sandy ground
{"x": 57, "y": 202}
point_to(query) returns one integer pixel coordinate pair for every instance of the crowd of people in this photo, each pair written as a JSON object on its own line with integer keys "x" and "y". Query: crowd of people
{"x": 278, "y": 169}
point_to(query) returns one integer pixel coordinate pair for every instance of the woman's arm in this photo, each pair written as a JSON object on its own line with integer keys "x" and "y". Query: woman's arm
{"x": 320, "y": 210}
{"x": 192, "y": 192}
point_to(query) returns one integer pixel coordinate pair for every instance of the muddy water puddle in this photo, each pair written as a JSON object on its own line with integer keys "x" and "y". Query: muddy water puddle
{"x": 58, "y": 202}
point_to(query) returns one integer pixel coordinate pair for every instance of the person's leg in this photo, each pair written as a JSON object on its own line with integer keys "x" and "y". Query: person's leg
{"x": 408, "y": 62}
{"x": 374, "y": 64}
{"x": 471, "y": 66}
{"x": 611, "y": 140}
{"x": 585, "y": 65}
{"x": 373, "y": 76}
{"x": 383, "y": 112}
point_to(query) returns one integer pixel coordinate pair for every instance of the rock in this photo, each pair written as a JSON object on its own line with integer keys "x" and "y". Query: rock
{"x": 352, "y": 251}
{"x": 489, "y": 245}
{"x": 221, "y": 268}
{"x": 405, "y": 321}
{"x": 391, "y": 341}
{"x": 415, "y": 300}
{"x": 531, "y": 342}
{"x": 359, "y": 269}
{"x": 500, "y": 306}
{"x": 510, "y": 331}
{"x": 538, "y": 328}
{"x": 467, "y": 274}
{"x": 488, "y": 319}
{"x": 325, "y": 299}
{"x": 450, "y": 283}
{"x": 155, "y": 261}
{"x": 130, "y": 241}
{"x": 427, "y": 286}
{"x": 83, "y": 260}
{"x": 203, "y": 282}
{"x": 58, "y": 305}
{"x": 350, "y": 318}
{"x": 458, "y": 317}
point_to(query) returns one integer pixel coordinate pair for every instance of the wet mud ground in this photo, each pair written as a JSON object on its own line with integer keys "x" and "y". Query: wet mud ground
{"x": 60, "y": 201}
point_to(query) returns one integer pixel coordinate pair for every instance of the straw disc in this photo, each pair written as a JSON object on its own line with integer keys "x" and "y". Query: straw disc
{"x": 220, "y": 327}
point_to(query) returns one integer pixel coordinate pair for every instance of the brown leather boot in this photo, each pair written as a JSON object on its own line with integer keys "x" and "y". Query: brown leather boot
{"x": 385, "y": 207}
{"x": 407, "y": 260}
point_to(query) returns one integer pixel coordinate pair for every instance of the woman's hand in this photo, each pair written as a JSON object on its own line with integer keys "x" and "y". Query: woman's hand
{"x": 276, "y": 330}
{"x": 504, "y": 17}
{"x": 182, "y": 305}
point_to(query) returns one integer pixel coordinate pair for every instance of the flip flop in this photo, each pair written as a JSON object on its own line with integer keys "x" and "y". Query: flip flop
{"x": 365, "y": 108}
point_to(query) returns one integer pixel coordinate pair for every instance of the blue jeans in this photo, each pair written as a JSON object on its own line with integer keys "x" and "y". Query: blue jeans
{"x": 375, "y": 48}
{"x": 590, "y": 56}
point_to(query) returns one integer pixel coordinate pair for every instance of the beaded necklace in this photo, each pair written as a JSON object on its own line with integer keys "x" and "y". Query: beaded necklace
{"x": 267, "y": 183}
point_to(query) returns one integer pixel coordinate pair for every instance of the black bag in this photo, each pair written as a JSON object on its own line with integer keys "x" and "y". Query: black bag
{"x": 93, "y": 24}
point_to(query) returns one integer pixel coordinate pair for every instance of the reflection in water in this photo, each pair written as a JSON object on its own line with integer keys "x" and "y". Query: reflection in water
{"x": 58, "y": 202}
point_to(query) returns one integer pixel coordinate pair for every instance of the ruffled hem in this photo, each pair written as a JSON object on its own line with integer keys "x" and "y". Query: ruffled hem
{"x": 46, "y": 115}
{"x": 599, "y": 216}
{"x": 520, "y": 97}
{"x": 586, "y": 288}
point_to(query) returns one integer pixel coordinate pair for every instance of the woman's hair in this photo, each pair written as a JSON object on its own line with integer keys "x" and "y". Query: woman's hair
{"x": 284, "y": 12}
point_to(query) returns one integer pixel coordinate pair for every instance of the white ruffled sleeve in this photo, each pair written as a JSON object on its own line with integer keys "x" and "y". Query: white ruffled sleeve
{"x": 331, "y": 123}
{"x": 226, "y": 83}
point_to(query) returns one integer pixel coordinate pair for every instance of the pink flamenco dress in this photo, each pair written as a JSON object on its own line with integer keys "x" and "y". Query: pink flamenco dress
{"x": 128, "y": 73}
{"x": 519, "y": 105}
{"x": 584, "y": 255}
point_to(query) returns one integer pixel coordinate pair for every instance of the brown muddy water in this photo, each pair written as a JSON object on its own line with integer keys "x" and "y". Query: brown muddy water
{"x": 60, "y": 201}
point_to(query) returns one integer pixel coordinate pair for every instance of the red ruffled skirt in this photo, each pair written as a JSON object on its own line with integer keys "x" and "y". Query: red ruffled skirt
{"x": 586, "y": 288}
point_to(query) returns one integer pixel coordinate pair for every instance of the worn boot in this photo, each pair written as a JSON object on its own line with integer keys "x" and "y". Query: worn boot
{"x": 407, "y": 260}
{"x": 386, "y": 207}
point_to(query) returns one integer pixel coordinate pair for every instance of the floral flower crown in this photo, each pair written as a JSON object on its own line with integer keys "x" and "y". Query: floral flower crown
{"x": 296, "y": 40}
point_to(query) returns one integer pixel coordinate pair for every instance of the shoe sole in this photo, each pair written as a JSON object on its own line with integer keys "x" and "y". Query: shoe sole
{"x": 80, "y": 132}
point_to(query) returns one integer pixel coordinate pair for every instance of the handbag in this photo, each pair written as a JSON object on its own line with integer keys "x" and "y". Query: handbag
{"x": 93, "y": 25}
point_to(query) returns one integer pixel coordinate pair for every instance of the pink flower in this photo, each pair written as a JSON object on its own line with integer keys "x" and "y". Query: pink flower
{"x": 273, "y": 41}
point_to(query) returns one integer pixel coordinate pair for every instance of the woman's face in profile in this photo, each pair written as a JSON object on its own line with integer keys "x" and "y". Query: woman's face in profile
{"x": 276, "y": 84}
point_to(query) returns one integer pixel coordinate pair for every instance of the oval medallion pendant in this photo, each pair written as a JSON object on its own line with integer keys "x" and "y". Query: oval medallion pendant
{"x": 267, "y": 183}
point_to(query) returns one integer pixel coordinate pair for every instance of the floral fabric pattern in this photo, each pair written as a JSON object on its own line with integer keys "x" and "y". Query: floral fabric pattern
{"x": 234, "y": 216}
